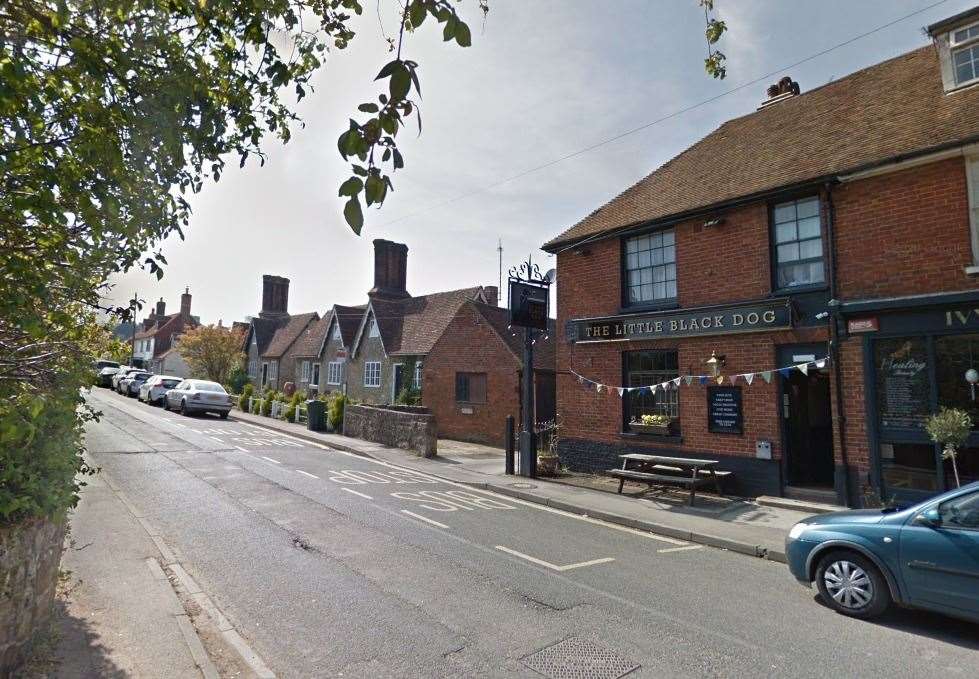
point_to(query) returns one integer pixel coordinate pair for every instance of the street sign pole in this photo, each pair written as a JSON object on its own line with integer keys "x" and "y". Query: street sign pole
{"x": 528, "y": 449}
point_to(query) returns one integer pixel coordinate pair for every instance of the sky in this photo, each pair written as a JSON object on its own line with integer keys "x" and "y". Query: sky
{"x": 542, "y": 80}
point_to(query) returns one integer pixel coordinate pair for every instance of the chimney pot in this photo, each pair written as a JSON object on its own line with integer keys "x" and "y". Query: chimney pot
{"x": 275, "y": 296}
{"x": 161, "y": 308}
{"x": 390, "y": 270}
{"x": 786, "y": 88}
{"x": 185, "y": 303}
{"x": 492, "y": 294}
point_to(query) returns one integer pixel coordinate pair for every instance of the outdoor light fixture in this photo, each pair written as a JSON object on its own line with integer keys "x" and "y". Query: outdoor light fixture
{"x": 972, "y": 377}
{"x": 714, "y": 364}
{"x": 821, "y": 315}
{"x": 716, "y": 221}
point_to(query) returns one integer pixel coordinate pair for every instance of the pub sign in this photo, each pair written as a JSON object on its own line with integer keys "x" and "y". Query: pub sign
{"x": 529, "y": 305}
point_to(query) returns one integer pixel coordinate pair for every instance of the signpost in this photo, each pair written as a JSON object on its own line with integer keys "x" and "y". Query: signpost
{"x": 529, "y": 295}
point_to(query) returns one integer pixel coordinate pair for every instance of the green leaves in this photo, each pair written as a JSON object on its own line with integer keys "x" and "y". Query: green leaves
{"x": 353, "y": 214}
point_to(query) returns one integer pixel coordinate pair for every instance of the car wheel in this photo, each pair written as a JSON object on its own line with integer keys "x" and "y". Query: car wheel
{"x": 183, "y": 409}
{"x": 224, "y": 415}
{"x": 852, "y": 585}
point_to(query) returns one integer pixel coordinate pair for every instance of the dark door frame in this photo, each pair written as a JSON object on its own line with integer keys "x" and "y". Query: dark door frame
{"x": 783, "y": 354}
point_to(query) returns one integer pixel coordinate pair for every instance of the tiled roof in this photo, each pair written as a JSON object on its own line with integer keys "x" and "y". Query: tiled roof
{"x": 310, "y": 341}
{"x": 164, "y": 329}
{"x": 544, "y": 347}
{"x": 264, "y": 329}
{"x": 885, "y": 112}
{"x": 349, "y": 318}
{"x": 288, "y": 333}
{"x": 412, "y": 326}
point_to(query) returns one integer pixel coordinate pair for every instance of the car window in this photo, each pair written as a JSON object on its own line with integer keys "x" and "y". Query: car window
{"x": 181, "y": 385}
{"x": 211, "y": 386}
{"x": 170, "y": 383}
{"x": 961, "y": 512}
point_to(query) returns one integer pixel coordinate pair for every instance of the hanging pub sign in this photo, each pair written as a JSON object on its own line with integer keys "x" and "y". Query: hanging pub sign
{"x": 529, "y": 305}
{"x": 724, "y": 412}
{"x": 754, "y": 317}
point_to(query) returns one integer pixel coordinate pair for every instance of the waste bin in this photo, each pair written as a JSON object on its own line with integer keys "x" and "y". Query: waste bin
{"x": 315, "y": 415}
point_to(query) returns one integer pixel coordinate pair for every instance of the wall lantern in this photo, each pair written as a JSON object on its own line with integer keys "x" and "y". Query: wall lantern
{"x": 972, "y": 377}
{"x": 714, "y": 364}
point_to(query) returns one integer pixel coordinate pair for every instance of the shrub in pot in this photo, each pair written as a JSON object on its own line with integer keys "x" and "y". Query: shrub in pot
{"x": 660, "y": 425}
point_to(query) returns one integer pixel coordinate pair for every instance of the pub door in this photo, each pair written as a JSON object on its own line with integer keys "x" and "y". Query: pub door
{"x": 807, "y": 421}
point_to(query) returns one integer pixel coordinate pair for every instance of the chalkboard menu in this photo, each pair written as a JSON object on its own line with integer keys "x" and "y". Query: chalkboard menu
{"x": 903, "y": 386}
{"x": 724, "y": 414}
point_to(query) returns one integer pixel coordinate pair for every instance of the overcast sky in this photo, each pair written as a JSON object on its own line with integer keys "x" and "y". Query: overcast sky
{"x": 542, "y": 79}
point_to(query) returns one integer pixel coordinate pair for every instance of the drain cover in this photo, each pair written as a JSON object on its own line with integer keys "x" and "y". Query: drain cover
{"x": 576, "y": 658}
{"x": 522, "y": 485}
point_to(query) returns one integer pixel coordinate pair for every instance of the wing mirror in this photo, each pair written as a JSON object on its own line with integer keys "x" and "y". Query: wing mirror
{"x": 930, "y": 518}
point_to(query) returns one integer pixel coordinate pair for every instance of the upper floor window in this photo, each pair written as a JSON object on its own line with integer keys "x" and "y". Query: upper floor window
{"x": 972, "y": 184}
{"x": 798, "y": 243}
{"x": 965, "y": 54}
{"x": 372, "y": 330}
{"x": 650, "y": 268}
{"x": 336, "y": 331}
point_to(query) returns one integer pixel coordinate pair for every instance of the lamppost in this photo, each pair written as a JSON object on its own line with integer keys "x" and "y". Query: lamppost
{"x": 529, "y": 295}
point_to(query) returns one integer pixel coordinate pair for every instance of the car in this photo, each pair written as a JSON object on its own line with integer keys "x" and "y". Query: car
{"x": 924, "y": 556}
{"x": 105, "y": 376}
{"x": 198, "y": 396}
{"x": 153, "y": 389}
{"x": 122, "y": 373}
{"x": 105, "y": 363}
{"x": 136, "y": 378}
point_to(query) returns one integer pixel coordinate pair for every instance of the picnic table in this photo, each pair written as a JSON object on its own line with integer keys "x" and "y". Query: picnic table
{"x": 683, "y": 471}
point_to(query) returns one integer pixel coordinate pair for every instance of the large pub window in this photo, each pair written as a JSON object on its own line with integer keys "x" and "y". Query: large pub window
{"x": 646, "y": 368}
{"x": 650, "y": 268}
{"x": 798, "y": 243}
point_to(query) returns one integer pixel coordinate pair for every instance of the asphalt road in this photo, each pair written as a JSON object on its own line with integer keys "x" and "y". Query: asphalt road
{"x": 331, "y": 564}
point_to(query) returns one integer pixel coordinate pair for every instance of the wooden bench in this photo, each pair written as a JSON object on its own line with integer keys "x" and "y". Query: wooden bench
{"x": 692, "y": 473}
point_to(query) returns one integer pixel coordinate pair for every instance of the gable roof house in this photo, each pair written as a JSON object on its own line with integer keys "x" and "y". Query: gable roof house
{"x": 278, "y": 359}
{"x": 841, "y": 224}
{"x": 262, "y": 328}
{"x": 158, "y": 331}
{"x": 305, "y": 351}
{"x": 328, "y": 363}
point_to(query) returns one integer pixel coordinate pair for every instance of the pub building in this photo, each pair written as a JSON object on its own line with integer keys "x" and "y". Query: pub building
{"x": 797, "y": 292}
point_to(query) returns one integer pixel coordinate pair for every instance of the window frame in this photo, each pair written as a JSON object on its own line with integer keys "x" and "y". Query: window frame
{"x": 329, "y": 373}
{"x": 972, "y": 191}
{"x": 773, "y": 244}
{"x": 956, "y": 47}
{"x": 666, "y": 303}
{"x": 468, "y": 400}
{"x": 306, "y": 371}
{"x": 416, "y": 379}
{"x": 626, "y": 403}
{"x": 369, "y": 370}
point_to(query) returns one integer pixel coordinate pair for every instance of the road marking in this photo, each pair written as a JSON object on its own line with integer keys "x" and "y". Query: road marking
{"x": 215, "y": 438}
{"x": 270, "y": 459}
{"x": 312, "y": 476}
{"x": 422, "y": 518}
{"x": 554, "y": 567}
{"x": 679, "y": 549}
{"x": 357, "y": 492}
{"x": 197, "y": 431}
{"x": 244, "y": 450}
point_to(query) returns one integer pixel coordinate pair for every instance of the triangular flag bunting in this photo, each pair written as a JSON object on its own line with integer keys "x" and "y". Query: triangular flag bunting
{"x": 803, "y": 368}
{"x": 720, "y": 379}
{"x": 785, "y": 372}
{"x": 767, "y": 376}
{"x": 821, "y": 363}
{"x": 598, "y": 388}
{"x": 621, "y": 391}
{"x": 702, "y": 379}
{"x": 676, "y": 382}
{"x": 748, "y": 377}
{"x": 688, "y": 379}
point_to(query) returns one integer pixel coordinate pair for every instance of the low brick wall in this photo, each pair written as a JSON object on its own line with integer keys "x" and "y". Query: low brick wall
{"x": 412, "y": 428}
{"x": 30, "y": 557}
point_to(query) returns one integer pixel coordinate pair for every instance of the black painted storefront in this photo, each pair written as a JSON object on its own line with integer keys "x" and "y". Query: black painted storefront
{"x": 916, "y": 352}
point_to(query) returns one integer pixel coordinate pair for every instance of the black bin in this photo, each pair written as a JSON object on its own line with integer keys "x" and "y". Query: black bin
{"x": 315, "y": 415}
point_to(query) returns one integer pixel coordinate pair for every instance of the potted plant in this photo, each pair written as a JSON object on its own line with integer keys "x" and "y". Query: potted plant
{"x": 659, "y": 425}
{"x": 548, "y": 438}
{"x": 950, "y": 428}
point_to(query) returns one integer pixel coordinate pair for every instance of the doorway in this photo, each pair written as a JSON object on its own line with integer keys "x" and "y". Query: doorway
{"x": 397, "y": 381}
{"x": 807, "y": 419}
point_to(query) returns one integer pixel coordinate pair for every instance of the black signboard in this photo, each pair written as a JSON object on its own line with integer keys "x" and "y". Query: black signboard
{"x": 724, "y": 413}
{"x": 755, "y": 317}
{"x": 529, "y": 305}
{"x": 903, "y": 383}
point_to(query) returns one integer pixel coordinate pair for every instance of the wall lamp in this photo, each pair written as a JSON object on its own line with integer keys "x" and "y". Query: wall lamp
{"x": 715, "y": 363}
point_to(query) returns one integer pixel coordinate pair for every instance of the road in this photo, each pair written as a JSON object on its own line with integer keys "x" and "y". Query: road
{"x": 331, "y": 564}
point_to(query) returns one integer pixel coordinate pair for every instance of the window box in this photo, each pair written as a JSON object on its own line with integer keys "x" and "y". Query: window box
{"x": 653, "y": 429}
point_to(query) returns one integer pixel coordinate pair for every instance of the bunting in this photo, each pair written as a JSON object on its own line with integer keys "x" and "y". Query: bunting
{"x": 674, "y": 383}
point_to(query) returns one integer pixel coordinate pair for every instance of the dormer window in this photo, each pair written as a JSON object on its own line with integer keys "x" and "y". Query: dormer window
{"x": 964, "y": 44}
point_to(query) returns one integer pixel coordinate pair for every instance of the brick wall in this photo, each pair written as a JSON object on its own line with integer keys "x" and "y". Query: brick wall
{"x": 469, "y": 344}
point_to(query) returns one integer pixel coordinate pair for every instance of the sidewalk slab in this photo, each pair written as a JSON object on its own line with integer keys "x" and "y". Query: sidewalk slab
{"x": 121, "y": 616}
{"x": 746, "y": 528}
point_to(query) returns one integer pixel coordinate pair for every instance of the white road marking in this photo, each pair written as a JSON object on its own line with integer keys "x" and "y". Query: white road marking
{"x": 215, "y": 438}
{"x": 554, "y": 567}
{"x": 270, "y": 460}
{"x": 679, "y": 549}
{"x": 244, "y": 450}
{"x": 197, "y": 431}
{"x": 357, "y": 492}
{"x": 312, "y": 476}
{"x": 422, "y": 518}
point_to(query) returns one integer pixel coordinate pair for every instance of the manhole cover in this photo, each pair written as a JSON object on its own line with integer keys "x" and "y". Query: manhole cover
{"x": 522, "y": 485}
{"x": 576, "y": 658}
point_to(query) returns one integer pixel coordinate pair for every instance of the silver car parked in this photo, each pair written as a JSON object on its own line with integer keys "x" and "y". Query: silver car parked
{"x": 198, "y": 396}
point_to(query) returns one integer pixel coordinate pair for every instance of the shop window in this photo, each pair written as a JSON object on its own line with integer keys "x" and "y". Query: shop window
{"x": 470, "y": 387}
{"x": 645, "y": 368}
{"x": 798, "y": 243}
{"x": 903, "y": 384}
{"x": 954, "y": 356}
{"x": 650, "y": 268}
{"x": 908, "y": 466}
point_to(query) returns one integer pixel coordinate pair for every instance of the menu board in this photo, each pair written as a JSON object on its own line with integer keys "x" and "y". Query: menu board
{"x": 724, "y": 413}
{"x": 903, "y": 386}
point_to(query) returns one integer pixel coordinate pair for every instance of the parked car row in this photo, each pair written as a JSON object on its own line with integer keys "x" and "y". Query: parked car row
{"x": 172, "y": 393}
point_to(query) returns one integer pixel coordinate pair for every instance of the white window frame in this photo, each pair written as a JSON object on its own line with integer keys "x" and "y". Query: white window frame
{"x": 305, "y": 371}
{"x": 639, "y": 276}
{"x": 373, "y": 330}
{"x": 372, "y": 374}
{"x": 273, "y": 371}
{"x": 335, "y": 333}
{"x": 416, "y": 380}
{"x": 334, "y": 372}
{"x": 954, "y": 47}
{"x": 972, "y": 188}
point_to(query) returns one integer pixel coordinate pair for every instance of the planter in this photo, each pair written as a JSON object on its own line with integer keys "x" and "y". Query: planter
{"x": 547, "y": 465}
{"x": 653, "y": 429}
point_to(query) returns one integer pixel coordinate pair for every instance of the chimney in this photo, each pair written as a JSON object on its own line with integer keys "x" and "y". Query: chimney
{"x": 275, "y": 297}
{"x": 161, "y": 308}
{"x": 149, "y": 321}
{"x": 786, "y": 88}
{"x": 492, "y": 294}
{"x": 185, "y": 303}
{"x": 390, "y": 270}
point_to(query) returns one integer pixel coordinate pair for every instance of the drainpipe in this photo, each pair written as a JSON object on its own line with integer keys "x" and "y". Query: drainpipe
{"x": 834, "y": 340}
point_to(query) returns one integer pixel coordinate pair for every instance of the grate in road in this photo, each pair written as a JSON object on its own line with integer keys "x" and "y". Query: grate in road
{"x": 577, "y": 658}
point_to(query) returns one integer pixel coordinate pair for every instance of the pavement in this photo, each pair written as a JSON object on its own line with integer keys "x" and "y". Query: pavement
{"x": 737, "y": 525}
{"x": 325, "y": 562}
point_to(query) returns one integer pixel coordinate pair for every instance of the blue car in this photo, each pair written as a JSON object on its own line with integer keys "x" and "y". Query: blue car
{"x": 924, "y": 556}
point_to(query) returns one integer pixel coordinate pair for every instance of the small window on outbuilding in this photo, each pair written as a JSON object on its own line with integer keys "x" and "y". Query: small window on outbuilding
{"x": 470, "y": 387}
